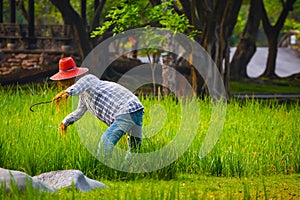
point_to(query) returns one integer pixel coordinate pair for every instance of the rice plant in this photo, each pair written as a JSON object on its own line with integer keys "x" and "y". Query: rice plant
{"x": 258, "y": 138}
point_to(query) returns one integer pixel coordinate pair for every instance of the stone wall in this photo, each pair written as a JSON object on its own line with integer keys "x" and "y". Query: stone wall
{"x": 10, "y": 63}
{"x": 29, "y": 66}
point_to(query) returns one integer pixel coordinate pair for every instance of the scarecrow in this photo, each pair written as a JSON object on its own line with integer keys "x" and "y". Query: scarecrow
{"x": 110, "y": 102}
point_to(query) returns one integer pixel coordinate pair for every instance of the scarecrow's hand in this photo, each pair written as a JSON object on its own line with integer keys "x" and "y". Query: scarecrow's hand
{"x": 62, "y": 129}
{"x": 62, "y": 95}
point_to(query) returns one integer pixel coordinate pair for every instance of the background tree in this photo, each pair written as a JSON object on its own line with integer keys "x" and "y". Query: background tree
{"x": 247, "y": 45}
{"x": 45, "y": 12}
{"x": 134, "y": 14}
{"x": 79, "y": 27}
{"x": 68, "y": 12}
{"x": 272, "y": 32}
{"x": 216, "y": 20}
{"x": 228, "y": 22}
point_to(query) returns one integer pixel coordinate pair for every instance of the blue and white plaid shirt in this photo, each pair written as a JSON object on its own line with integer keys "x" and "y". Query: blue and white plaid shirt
{"x": 104, "y": 99}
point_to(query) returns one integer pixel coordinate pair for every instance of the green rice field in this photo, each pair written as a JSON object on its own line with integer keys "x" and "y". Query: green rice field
{"x": 256, "y": 157}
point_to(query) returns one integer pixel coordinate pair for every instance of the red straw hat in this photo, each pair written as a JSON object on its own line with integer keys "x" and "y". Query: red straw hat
{"x": 68, "y": 69}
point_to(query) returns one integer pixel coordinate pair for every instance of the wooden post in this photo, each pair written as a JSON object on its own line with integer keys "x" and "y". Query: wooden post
{"x": 12, "y": 9}
{"x": 96, "y": 4}
{"x": 31, "y": 42}
{"x": 1, "y": 11}
{"x": 12, "y": 15}
{"x": 83, "y": 10}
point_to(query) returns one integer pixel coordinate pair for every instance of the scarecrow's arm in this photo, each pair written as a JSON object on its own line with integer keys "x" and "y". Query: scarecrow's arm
{"x": 76, "y": 114}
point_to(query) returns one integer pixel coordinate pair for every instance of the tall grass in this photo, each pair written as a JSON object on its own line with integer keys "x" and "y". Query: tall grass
{"x": 258, "y": 138}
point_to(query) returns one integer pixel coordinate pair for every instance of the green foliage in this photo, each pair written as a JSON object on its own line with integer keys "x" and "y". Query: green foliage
{"x": 240, "y": 24}
{"x": 291, "y": 24}
{"x": 44, "y": 12}
{"x": 135, "y": 14}
{"x": 273, "y": 9}
{"x": 122, "y": 16}
{"x": 168, "y": 18}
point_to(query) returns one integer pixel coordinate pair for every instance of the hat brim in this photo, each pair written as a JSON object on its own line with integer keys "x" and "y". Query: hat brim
{"x": 62, "y": 75}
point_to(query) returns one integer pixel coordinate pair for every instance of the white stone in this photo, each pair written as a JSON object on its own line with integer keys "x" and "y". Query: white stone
{"x": 65, "y": 179}
{"x": 21, "y": 180}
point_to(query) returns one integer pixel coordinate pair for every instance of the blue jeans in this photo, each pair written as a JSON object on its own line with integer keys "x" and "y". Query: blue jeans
{"x": 126, "y": 123}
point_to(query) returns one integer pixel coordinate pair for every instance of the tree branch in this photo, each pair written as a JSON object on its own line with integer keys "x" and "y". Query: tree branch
{"x": 265, "y": 20}
{"x": 288, "y": 6}
{"x": 155, "y": 2}
{"x": 98, "y": 11}
{"x": 187, "y": 9}
{"x": 20, "y": 3}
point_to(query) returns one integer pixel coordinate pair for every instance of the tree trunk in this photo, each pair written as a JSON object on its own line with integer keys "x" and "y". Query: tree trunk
{"x": 1, "y": 11}
{"x": 98, "y": 11}
{"x": 71, "y": 17}
{"x": 194, "y": 75}
{"x": 32, "y": 41}
{"x": 186, "y": 5}
{"x": 221, "y": 19}
{"x": 83, "y": 11}
{"x": 155, "y": 2}
{"x": 169, "y": 76}
{"x": 272, "y": 33}
{"x": 203, "y": 10}
{"x": 247, "y": 45}
{"x": 227, "y": 69}
{"x": 228, "y": 22}
{"x": 211, "y": 36}
{"x": 210, "y": 28}
{"x": 272, "y": 55}
{"x": 216, "y": 20}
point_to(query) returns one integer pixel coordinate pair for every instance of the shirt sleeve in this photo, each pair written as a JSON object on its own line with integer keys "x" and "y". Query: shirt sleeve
{"x": 76, "y": 114}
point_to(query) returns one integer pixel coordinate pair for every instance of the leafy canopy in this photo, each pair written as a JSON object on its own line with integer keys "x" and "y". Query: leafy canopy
{"x": 135, "y": 13}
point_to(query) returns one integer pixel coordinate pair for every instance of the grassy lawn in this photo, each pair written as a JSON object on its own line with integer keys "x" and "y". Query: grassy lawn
{"x": 183, "y": 187}
{"x": 282, "y": 85}
{"x": 207, "y": 187}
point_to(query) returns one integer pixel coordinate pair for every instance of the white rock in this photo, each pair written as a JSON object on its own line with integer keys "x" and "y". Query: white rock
{"x": 65, "y": 179}
{"x": 21, "y": 179}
